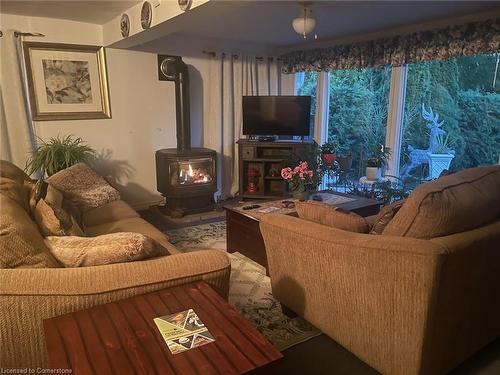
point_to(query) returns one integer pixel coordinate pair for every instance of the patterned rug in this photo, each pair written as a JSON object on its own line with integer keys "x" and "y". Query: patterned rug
{"x": 250, "y": 288}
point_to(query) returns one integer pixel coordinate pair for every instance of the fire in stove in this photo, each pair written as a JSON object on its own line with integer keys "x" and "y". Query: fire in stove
{"x": 192, "y": 175}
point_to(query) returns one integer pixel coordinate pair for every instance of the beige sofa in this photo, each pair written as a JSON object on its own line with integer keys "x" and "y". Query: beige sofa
{"x": 418, "y": 299}
{"x": 30, "y": 295}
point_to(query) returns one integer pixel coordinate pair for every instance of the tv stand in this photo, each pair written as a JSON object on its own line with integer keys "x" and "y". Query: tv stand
{"x": 260, "y": 166}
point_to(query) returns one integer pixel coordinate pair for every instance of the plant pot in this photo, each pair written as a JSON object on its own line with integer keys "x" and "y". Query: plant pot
{"x": 328, "y": 159}
{"x": 345, "y": 162}
{"x": 373, "y": 173}
{"x": 301, "y": 195}
{"x": 438, "y": 163}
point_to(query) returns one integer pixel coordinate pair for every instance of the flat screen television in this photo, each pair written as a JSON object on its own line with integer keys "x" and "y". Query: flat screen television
{"x": 277, "y": 115}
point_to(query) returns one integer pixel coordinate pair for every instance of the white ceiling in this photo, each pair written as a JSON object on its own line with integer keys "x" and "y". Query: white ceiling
{"x": 269, "y": 22}
{"x": 97, "y": 11}
{"x": 259, "y": 23}
{"x": 265, "y": 26}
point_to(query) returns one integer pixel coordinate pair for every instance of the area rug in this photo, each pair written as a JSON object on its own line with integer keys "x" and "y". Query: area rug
{"x": 250, "y": 288}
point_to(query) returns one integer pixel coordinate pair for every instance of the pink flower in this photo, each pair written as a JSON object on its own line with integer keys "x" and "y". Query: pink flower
{"x": 310, "y": 173}
{"x": 297, "y": 170}
{"x": 286, "y": 173}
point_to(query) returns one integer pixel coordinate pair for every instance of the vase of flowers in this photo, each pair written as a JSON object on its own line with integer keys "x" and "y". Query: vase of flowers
{"x": 300, "y": 180}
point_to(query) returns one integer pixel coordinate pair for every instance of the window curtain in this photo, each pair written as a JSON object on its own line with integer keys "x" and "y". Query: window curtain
{"x": 230, "y": 78}
{"x": 17, "y": 131}
{"x": 440, "y": 44}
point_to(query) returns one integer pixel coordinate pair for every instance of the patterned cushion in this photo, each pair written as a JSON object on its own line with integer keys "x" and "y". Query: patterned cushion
{"x": 21, "y": 244}
{"x": 9, "y": 170}
{"x": 385, "y": 216}
{"x": 331, "y": 216}
{"x": 84, "y": 187}
{"x": 15, "y": 190}
{"x": 74, "y": 251}
{"x": 51, "y": 217}
{"x": 451, "y": 204}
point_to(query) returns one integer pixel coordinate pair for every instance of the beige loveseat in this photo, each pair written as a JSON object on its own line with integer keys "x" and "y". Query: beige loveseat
{"x": 418, "y": 299}
{"x": 30, "y": 295}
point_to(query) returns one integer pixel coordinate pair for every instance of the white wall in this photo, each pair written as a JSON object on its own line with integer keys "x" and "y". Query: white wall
{"x": 143, "y": 109}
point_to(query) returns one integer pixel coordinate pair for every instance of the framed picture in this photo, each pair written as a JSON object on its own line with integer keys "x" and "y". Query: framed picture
{"x": 67, "y": 81}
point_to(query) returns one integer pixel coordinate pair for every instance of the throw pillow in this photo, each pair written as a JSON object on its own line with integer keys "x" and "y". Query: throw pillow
{"x": 332, "y": 216}
{"x": 9, "y": 170}
{"x": 106, "y": 249}
{"x": 16, "y": 191}
{"x": 84, "y": 187}
{"x": 21, "y": 244}
{"x": 51, "y": 218}
{"x": 385, "y": 216}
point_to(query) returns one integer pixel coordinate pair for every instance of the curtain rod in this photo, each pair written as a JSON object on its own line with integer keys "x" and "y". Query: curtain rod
{"x": 17, "y": 34}
{"x": 235, "y": 56}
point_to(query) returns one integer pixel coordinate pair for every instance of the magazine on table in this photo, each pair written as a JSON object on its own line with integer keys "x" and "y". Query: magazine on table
{"x": 268, "y": 210}
{"x": 183, "y": 331}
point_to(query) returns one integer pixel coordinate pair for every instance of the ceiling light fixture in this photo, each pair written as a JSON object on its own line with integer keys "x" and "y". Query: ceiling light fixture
{"x": 305, "y": 22}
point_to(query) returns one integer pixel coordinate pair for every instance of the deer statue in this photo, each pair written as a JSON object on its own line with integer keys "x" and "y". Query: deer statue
{"x": 434, "y": 126}
{"x": 419, "y": 156}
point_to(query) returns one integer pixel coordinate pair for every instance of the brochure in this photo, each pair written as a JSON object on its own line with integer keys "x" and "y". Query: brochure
{"x": 183, "y": 331}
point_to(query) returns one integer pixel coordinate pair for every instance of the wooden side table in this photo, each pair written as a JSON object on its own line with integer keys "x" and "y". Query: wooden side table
{"x": 122, "y": 338}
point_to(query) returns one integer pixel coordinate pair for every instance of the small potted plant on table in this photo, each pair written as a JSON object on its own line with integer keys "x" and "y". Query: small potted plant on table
{"x": 377, "y": 162}
{"x": 301, "y": 180}
{"x": 328, "y": 152}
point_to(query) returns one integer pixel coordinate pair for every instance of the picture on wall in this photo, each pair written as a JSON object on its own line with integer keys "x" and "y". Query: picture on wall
{"x": 67, "y": 82}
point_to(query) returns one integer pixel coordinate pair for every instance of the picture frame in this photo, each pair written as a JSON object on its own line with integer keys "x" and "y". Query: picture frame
{"x": 67, "y": 81}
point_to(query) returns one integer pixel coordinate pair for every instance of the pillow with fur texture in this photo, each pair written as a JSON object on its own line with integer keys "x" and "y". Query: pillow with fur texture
{"x": 72, "y": 251}
{"x": 332, "y": 216}
{"x": 84, "y": 187}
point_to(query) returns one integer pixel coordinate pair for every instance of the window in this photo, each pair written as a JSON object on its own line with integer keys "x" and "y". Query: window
{"x": 306, "y": 83}
{"x": 451, "y": 108}
{"x": 439, "y": 108}
{"x": 358, "y": 105}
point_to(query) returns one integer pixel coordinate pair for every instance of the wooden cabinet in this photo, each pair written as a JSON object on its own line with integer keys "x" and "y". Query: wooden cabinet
{"x": 260, "y": 165}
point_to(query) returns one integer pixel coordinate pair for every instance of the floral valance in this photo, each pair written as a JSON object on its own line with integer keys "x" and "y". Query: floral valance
{"x": 441, "y": 44}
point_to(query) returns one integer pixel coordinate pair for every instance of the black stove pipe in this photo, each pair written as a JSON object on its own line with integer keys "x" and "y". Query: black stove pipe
{"x": 172, "y": 68}
{"x": 182, "y": 106}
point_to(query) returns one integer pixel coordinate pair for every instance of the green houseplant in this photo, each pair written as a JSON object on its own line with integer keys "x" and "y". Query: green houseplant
{"x": 58, "y": 153}
{"x": 328, "y": 151}
{"x": 344, "y": 157}
{"x": 377, "y": 162}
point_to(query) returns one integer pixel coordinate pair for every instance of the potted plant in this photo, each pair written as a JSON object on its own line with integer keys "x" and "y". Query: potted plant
{"x": 328, "y": 151}
{"x": 344, "y": 157}
{"x": 377, "y": 162}
{"x": 57, "y": 154}
{"x": 301, "y": 180}
{"x": 440, "y": 156}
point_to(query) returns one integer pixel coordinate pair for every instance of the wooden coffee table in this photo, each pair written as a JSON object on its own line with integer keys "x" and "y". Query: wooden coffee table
{"x": 122, "y": 338}
{"x": 243, "y": 230}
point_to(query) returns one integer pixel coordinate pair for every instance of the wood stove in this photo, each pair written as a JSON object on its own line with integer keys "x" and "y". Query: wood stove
{"x": 186, "y": 176}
